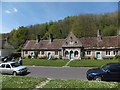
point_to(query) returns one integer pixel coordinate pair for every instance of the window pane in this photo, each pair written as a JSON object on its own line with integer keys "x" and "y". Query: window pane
{"x": 7, "y": 66}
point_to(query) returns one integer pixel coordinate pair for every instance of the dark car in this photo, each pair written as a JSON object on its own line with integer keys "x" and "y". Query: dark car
{"x": 109, "y": 72}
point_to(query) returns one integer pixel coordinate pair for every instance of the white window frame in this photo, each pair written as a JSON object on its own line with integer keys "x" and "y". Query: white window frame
{"x": 88, "y": 53}
{"x": 115, "y": 52}
{"x": 108, "y": 53}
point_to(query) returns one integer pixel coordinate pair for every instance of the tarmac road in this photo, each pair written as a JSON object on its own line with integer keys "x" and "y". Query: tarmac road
{"x": 76, "y": 73}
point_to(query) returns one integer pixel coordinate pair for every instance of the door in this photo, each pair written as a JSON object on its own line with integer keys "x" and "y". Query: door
{"x": 98, "y": 55}
{"x": 49, "y": 56}
{"x": 71, "y": 55}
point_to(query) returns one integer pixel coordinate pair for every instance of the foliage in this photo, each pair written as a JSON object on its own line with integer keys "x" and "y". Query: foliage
{"x": 18, "y": 37}
{"x": 15, "y": 55}
{"x": 85, "y": 25}
{"x": 117, "y": 56}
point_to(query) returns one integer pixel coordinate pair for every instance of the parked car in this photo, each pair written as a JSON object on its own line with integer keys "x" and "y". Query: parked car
{"x": 108, "y": 72}
{"x": 5, "y": 59}
{"x": 12, "y": 68}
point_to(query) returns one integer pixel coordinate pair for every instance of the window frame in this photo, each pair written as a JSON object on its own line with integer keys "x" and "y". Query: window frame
{"x": 56, "y": 52}
{"x": 108, "y": 53}
{"x": 88, "y": 52}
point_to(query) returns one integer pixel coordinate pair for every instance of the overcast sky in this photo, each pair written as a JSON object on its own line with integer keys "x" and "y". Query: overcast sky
{"x": 15, "y": 14}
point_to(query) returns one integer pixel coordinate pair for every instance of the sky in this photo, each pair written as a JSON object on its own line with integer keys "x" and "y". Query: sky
{"x": 15, "y": 14}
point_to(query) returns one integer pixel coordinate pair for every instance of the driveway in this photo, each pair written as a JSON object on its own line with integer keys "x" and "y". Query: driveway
{"x": 76, "y": 73}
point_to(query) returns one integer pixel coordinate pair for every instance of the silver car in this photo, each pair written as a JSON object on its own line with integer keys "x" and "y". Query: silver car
{"x": 12, "y": 68}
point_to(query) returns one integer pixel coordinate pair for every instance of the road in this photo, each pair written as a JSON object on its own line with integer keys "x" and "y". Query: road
{"x": 76, "y": 73}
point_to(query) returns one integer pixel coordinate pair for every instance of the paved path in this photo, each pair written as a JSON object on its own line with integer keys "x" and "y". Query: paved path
{"x": 77, "y": 73}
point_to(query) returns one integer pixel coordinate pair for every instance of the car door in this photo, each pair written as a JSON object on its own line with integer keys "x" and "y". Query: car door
{"x": 2, "y": 68}
{"x": 114, "y": 73}
{"x": 8, "y": 69}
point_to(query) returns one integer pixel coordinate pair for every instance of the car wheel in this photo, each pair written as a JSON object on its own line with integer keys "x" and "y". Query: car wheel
{"x": 14, "y": 73}
{"x": 98, "y": 78}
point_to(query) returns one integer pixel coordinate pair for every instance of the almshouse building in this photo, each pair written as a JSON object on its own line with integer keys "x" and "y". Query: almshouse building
{"x": 74, "y": 48}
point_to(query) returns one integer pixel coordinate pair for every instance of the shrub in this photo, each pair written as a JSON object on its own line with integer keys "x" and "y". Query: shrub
{"x": 29, "y": 56}
{"x": 86, "y": 57}
{"x": 117, "y": 57}
{"x": 15, "y": 55}
{"x": 42, "y": 57}
{"x": 60, "y": 56}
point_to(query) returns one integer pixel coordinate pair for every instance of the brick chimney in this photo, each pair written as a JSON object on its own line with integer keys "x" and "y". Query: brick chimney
{"x": 99, "y": 35}
{"x": 51, "y": 38}
{"x": 38, "y": 38}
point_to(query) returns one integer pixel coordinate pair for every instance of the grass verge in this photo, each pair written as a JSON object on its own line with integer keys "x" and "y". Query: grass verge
{"x": 44, "y": 62}
{"x": 75, "y": 63}
{"x": 80, "y": 84}
{"x": 20, "y": 81}
{"x": 90, "y": 63}
{"x": 17, "y": 82}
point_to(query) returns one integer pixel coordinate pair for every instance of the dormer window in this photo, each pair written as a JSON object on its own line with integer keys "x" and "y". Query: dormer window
{"x": 66, "y": 42}
{"x": 75, "y": 42}
{"x": 70, "y": 37}
{"x": 71, "y": 42}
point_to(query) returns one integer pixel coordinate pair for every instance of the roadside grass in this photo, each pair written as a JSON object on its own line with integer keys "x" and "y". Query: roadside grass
{"x": 74, "y": 63}
{"x": 9, "y": 81}
{"x": 17, "y": 82}
{"x": 44, "y": 62}
{"x": 91, "y": 63}
{"x": 80, "y": 84}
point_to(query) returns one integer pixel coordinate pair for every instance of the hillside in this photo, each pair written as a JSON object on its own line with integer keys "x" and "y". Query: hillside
{"x": 85, "y": 25}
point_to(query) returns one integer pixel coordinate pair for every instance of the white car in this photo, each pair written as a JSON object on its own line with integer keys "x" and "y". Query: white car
{"x": 12, "y": 68}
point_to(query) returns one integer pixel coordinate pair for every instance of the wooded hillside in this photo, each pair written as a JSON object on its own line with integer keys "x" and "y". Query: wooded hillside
{"x": 85, "y": 25}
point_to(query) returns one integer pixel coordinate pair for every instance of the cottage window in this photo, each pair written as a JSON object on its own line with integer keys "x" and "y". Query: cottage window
{"x": 88, "y": 52}
{"x": 66, "y": 53}
{"x": 76, "y": 53}
{"x": 42, "y": 52}
{"x": 56, "y": 52}
{"x": 26, "y": 52}
{"x": 71, "y": 42}
{"x": 115, "y": 52}
{"x": 70, "y": 37}
{"x": 66, "y": 42}
{"x": 107, "y": 52}
{"x": 75, "y": 42}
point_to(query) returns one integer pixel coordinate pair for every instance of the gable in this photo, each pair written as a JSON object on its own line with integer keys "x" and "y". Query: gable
{"x": 72, "y": 41}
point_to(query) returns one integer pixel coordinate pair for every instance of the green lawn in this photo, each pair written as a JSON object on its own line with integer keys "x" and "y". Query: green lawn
{"x": 44, "y": 62}
{"x": 20, "y": 81}
{"x": 30, "y": 82}
{"x": 74, "y": 63}
{"x": 90, "y": 63}
{"x": 80, "y": 84}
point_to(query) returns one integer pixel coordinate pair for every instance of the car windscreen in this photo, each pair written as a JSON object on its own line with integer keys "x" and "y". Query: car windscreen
{"x": 15, "y": 64}
{"x": 105, "y": 68}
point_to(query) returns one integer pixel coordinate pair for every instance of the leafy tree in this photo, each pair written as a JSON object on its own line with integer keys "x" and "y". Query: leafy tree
{"x": 85, "y": 25}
